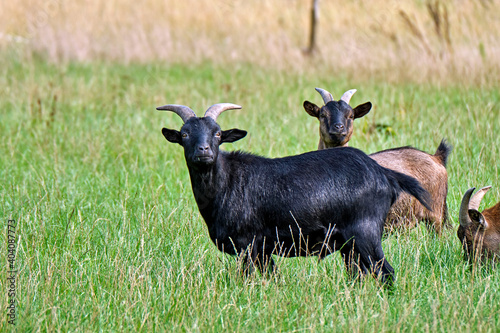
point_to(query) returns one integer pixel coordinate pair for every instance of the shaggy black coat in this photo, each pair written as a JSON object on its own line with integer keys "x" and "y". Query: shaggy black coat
{"x": 309, "y": 204}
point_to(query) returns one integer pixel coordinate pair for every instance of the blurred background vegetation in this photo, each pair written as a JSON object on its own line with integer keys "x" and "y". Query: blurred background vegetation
{"x": 448, "y": 41}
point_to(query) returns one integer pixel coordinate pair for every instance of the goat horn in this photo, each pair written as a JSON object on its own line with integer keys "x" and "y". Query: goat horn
{"x": 215, "y": 110}
{"x": 463, "y": 215}
{"x": 475, "y": 201}
{"x": 182, "y": 111}
{"x": 346, "y": 97}
{"x": 327, "y": 97}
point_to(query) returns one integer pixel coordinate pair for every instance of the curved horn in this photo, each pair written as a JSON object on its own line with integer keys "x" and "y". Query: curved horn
{"x": 215, "y": 110}
{"x": 327, "y": 97}
{"x": 463, "y": 215}
{"x": 182, "y": 111}
{"x": 346, "y": 97}
{"x": 475, "y": 201}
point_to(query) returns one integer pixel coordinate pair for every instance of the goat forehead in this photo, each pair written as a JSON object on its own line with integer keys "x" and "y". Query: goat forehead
{"x": 200, "y": 125}
{"x": 337, "y": 108}
{"x": 468, "y": 232}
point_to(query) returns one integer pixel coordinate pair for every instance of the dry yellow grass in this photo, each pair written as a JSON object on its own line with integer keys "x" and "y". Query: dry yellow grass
{"x": 392, "y": 40}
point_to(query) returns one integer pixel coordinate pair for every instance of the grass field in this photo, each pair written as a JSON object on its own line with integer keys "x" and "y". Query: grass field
{"x": 109, "y": 237}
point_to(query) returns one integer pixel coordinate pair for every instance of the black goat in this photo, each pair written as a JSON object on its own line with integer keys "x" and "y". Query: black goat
{"x": 309, "y": 204}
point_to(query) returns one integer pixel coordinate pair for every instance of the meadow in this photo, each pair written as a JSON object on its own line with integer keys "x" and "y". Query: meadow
{"x": 108, "y": 234}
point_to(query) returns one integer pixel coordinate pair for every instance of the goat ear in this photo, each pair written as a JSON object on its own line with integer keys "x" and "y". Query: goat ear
{"x": 312, "y": 109}
{"x": 233, "y": 135}
{"x": 172, "y": 135}
{"x": 478, "y": 218}
{"x": 362, "y": 109}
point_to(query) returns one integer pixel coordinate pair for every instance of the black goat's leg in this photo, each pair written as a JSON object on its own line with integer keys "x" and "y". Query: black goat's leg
{"x": 371, "y": 256}
{"x": 355, "y": 268}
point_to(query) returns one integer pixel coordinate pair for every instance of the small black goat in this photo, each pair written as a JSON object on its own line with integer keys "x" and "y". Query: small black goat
{"x": 309, "y": 204}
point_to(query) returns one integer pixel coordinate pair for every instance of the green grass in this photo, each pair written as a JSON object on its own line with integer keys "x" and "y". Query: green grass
{"x": 109, "y": 236}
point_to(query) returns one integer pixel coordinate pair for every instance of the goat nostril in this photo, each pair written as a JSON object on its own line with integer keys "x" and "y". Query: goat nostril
{"x": 339, "y": 127}
{"x": 203, "y": 148}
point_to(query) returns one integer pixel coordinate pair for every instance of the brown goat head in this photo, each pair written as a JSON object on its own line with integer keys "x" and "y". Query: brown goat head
{"x": 479, "y": 232}
{"x": 336, "y": 118}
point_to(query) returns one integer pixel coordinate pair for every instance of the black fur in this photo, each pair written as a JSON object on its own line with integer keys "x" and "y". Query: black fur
{"x": 443, "y": 151}
{"x": 309, "y": 204}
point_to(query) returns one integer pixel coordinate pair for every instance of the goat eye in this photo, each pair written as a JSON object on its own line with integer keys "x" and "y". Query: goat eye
{"x": 184, "y": 135}
{"x": 217, "y": 134}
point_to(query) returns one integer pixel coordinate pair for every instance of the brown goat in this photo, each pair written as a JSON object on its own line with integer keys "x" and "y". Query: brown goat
{"x": 478, "y": 232}
{"x": 336, "y": 126}
{"x": 430, "y": 171}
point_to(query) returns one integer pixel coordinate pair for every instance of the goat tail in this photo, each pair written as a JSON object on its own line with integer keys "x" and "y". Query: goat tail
{"x": 442, "y": 152}
{"x": 411, "y": 186}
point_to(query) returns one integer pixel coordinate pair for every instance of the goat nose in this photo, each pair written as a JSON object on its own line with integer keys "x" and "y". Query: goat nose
{"x": 338, "y": 127}
{"x": 203, "y": 148}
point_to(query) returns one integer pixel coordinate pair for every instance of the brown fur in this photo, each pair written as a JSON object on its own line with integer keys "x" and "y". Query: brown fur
{"x": 480, "y": 242}
{"x": 430, "y": 171}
